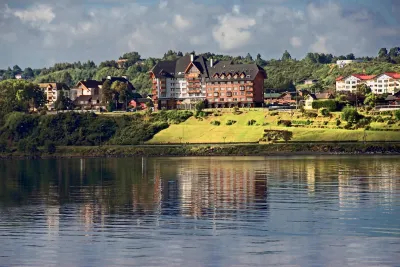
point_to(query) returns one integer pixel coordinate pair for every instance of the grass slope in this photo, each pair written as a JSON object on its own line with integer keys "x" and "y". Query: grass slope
{"x": 201, "y": 131}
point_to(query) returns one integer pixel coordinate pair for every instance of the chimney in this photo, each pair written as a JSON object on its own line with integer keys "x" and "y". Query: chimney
{"x": 191, "y": 57}
{"x": 211, "y": 63}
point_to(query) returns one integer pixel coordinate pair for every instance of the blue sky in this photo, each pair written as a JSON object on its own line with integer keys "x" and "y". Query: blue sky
{"x": 39, "y": 33}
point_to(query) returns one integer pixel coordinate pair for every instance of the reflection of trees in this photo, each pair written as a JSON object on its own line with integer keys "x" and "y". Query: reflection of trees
{"x": 194, "y": 187}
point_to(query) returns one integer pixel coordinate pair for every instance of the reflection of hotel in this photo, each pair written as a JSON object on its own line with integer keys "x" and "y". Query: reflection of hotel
{"x": 221, "y": 186}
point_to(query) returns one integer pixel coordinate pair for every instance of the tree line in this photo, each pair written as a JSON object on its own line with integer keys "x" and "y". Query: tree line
{"x": 282, "y": 73}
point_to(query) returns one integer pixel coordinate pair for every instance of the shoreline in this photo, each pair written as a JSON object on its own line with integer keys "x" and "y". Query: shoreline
{"x": 282, "y": 149}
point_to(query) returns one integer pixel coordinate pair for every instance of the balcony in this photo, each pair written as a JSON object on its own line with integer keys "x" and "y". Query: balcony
{"x": 194, "y": 91}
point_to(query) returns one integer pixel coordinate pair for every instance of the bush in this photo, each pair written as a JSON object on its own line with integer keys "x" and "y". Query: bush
{"x": 351, "y": 115}
{"x": 3, "y": 146}
{"x": 230, "y": 122}
{"x": 307, "y": 122}
{"x": 274, "y": 113}
{"x": 215, "y": 123}
{"x": 50, "y": 147}
{"x": 338, "y": 122}
{"x": 362, "y": 123}
{"x": 251, "y": 122}
{"x": 397, "y": 114}
{"x": 311, "y": 115}
{"x": 275, "y": 135}
{"x": 285, "y": 123}
{"x": 324, "y": 112}
{"x": 331, "y": 105}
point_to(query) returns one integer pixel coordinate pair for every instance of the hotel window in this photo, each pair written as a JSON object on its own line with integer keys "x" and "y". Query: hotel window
{"x": 241, "y": 82}
{"x": 235, "y": 99}
{"x": 229, "y": 99}
{"x": 241, "y": 93}
{"x": 235, "y": 93}
{"x": 229, "y": 89}
{"x": 229, "y": 83}
{"x": 215, "y": 99}
{"x": 216, "y": 89}
{"x": 241, "y": 88}
{"x": 209, "y": 89}
{"x": 248, "y": 81}
{"x": 249, "y": 93}
{"x": 235, "y": 82}
{"x": 235, "y": 88}
{"x": 249, "y": 99}
{"x": 221, "y": 99}
{"x": 222, "y": 88}
{"x": 222, "y": 94}
{"x": 242, "y": 99}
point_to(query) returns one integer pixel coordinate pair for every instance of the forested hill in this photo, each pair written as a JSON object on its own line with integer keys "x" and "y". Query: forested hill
{"x": 282, "y": 73}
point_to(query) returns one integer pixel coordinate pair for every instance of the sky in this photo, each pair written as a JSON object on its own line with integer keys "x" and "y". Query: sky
{"x": 39, "y": 33}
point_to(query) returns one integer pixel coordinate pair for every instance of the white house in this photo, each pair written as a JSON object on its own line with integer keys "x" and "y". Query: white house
{"x": 342, "y": 63}
{"x": 349, "y": 83}
{"x": 52, "y": 92}
{"x": 386, "y": 83}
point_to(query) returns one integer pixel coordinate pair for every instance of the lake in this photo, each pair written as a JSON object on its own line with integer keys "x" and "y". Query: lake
{"x": 216, "y": 211}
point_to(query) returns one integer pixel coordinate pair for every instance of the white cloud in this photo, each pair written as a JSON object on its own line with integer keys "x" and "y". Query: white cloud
{"x": 320, "y": 46}
{"x": 233, "y": 31}
{"x": 181, "y": 23}
{"x": 84, "y": 30}
{"x": 35, "y": 14}
{"x": 236, "y": 9}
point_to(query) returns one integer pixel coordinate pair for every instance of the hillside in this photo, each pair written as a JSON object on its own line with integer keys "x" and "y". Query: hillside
{"x": 282, "y": 74}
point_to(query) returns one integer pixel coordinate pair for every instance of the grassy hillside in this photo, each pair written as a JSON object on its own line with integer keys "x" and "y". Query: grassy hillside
{"x": 202, "y": 131}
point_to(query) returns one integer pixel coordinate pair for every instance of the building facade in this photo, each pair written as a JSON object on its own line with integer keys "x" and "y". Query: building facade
{"x": 52, "y": 92}
{"x": 190, "y": 79}
{"x": 386, "y": 83}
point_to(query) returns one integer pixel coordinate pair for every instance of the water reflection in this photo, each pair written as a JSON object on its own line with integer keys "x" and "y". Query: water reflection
{"x": 221, "y": 211}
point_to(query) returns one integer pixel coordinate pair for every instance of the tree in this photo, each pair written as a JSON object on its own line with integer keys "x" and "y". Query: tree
{"x": 394, "y": 52}
{"x": 121, "y": 93}
{"x": 363, "y": 89}
{"x": 107, "y": 93}
{"x": 383, "y": 54}
{"x": 63, "y": 102}
{"x": 350, "y": 56}
{"x": 28, "y": 73}
{"x": 16, "y": 69}
{"x": 286, "y": 56}
{"x": 249, "y": 58}
{"x": 66, "y": 78}
{"x": 370, "y": 100}
{"x": 350, "y": 115}
{"x": 29, "y": 95}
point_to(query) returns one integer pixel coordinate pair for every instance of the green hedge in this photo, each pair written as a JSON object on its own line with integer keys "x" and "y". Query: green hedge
{"x": 330, "y": 105}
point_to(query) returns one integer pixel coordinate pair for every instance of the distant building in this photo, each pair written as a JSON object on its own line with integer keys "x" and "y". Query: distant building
{"x": 386, "y": 83}
{"x": 319, "y": 96}
{"x": 18, "y": 76}
{"x": 343, "y": 63}
{"x": 310, "y": 81}
{"x": 52, "y": 92}
{"x": 88, "y": 93}
{"x": 141, "y": 103}
{"x": 183, "y": 82}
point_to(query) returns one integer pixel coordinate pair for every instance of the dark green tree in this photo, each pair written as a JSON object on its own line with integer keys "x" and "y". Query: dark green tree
{"x": 286, "y": 56}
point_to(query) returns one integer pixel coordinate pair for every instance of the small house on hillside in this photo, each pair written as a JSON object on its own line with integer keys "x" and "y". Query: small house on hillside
{"x": 319, "y": 96}
{"x": 271, "y": 97}
{"x": 394, "y": 99}
{"x": 141, "y": 103}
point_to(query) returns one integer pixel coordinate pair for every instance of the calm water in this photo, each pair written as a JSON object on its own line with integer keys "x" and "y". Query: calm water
{"x": 242, "y": 211}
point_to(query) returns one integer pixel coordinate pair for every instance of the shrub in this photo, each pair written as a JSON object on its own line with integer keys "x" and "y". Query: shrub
{"x": 285, "y": 123}
{"x": 3, "y": 146}
{"x": 311, "y": 115}
{"x": 307, "y": 122}
{"x": 215, "y": 123}
{"x": 251, "y": 122}
{"x": 324, "y": 112}
{"x": 351, "y": 115}
{"x": 230, "y": 122}
{"x": 363, "y": 122}
{"x": 274, "y": 113}
{"x": 50, "y": 147}
{"x": 338, "y": 122}
{"x": 331, "y": 105}
{"x": 275, "y": 135}
{"x": 397, "y": 114}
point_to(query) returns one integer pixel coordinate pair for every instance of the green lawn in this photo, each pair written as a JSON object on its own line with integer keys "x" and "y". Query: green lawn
{"x": 201, "y": 131}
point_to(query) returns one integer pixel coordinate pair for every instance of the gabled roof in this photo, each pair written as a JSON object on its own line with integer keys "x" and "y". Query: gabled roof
{"x": 56, "y": 86}
{"x": 394, "y": 75}
{"x": 272, "y": 95}
{"x": 90, "y": 83}
{"x": 323, "y": 95}
{"x": 177, "y": 68}
{"x": 358, "y": 76}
